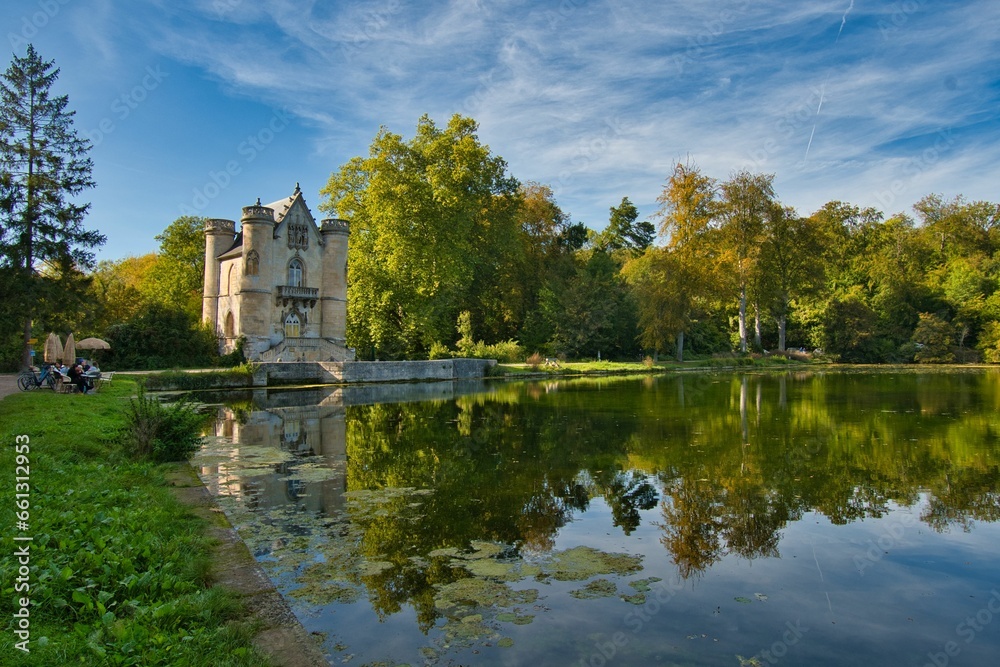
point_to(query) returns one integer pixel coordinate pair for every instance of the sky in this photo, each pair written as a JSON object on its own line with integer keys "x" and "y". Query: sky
{"x": 199, "y": 107}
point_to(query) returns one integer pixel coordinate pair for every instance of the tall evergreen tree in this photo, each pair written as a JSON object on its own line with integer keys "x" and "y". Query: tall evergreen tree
{"x": 43, "y": 166}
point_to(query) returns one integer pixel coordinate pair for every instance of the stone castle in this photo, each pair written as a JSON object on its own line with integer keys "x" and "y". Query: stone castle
{"x": 280, "y": 283}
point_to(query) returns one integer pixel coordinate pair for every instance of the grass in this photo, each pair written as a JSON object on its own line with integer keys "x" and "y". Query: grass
{"x": 628, "y": 367}
{"x": 119, "y": 570}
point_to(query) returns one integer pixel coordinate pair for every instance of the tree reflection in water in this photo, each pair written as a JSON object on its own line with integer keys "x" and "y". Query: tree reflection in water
{"x": 728, "y": 460}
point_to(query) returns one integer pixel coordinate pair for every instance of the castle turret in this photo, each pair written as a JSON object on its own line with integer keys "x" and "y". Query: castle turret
{"x": 219, "y": 235}
{"x": 333, "y": 297}
{"x": 255, "y": 296}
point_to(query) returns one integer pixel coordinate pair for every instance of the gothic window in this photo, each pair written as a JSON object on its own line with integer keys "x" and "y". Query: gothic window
{"x": 295, "y": 273}
{"x": 292, "y": 326}
{"x": 230, "y": 326}
{"x": 298, "y": 235}
{"x": 229, "y": 279}
{"x": 253, "y": 263}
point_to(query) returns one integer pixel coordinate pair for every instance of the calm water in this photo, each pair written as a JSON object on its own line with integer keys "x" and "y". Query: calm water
{"x": 818, "y": 518}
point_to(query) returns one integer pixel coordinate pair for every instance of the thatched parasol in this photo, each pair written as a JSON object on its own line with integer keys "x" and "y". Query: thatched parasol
{"x": 93, "y": 344}
{"x": 69, "y": 351}
{"x": 53, "y": 349}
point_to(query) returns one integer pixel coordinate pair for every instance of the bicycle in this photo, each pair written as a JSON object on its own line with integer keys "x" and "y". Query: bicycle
{"x": 27, "y": 380}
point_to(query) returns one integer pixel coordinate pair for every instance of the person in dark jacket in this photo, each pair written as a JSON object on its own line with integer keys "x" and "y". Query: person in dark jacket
{"x": 76, "y": 377}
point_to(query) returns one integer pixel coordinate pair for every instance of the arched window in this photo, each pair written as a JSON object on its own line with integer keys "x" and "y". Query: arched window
{"x": 295, "y": 273}
{"x": 292, "y": 326}
{"x": 229, "y": 279}
{"x": 253, "y": 263}
{"x": 230, "y": 326}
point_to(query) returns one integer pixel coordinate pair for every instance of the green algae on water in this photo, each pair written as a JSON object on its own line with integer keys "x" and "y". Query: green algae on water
{"x": 323, "y": 593}
{"x": 582, "y": 562}
{"x": 599, "y": 588}
{"x": 643, "y": 585}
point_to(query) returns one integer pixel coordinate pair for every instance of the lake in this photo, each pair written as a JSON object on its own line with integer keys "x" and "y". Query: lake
{"x": 820, "y": 517}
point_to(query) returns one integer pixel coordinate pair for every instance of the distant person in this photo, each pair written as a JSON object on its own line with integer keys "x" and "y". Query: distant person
{"x": 77, "y": 378}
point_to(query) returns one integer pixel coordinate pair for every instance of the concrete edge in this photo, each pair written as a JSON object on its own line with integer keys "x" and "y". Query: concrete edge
{"x": 281, "y": 637}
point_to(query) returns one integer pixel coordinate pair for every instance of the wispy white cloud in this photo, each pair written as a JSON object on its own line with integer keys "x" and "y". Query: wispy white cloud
{"x": 599, "y": 99}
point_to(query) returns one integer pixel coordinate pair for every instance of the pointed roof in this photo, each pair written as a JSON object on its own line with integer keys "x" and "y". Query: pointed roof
{"x": 282, "y": 206}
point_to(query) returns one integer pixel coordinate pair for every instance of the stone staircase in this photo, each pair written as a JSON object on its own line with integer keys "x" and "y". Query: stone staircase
{"x": 307, "y": 349}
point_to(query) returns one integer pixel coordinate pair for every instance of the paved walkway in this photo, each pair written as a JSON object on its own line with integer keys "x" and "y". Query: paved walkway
{"x": 8, "y": 384}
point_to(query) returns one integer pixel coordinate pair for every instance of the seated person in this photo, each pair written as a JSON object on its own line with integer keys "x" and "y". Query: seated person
{"x": 91, "y": 373}
{"x": 76, "y": 377}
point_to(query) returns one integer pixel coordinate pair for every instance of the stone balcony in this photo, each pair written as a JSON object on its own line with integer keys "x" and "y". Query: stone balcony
{"x": 299, "y": 295}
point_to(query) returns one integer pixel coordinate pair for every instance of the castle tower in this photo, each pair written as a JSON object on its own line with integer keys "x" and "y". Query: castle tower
{"x": 219, "y": 235}
{"x": 333, "y": 294}
{"x": 255, "y": 295}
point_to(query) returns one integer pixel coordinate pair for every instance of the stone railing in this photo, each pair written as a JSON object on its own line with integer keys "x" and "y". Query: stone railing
{"x": 293, "y": 292}
{"x": 302, "y": 295}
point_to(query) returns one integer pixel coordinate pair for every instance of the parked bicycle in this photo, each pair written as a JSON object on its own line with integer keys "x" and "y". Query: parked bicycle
{"x": 28, "y": 380}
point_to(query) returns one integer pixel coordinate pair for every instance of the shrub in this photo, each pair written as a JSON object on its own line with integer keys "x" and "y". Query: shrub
{"x": 439, "y": 351}
{"x": 236, "y": 357}
{"x": 989, "y": 342}
{"x": 535, "y": 360}
{"x": 239, "y": 376}
{"x": 508, "y": 351}
{"x": 160, "y": 432}
{"x": 648, "y": 361}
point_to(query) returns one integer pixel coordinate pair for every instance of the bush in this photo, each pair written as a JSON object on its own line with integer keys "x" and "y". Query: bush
{"x": 439, "y": 351}
{"x": 506, "y": 352}
{"x": 160, "y": 337}
{"x": 160, "y": 432}
{"x": 989, "y": 342}
{"x": 535, "y": 360}
{"x": 236, "y": 357}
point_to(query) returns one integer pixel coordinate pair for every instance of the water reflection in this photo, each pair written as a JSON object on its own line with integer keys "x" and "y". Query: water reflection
{"x": 393, "y": 497}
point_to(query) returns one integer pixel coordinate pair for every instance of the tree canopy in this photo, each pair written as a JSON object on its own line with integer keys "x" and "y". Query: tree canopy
{"x": 44, "y": 246}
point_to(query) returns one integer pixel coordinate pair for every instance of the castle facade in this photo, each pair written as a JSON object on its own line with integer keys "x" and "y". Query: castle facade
{"x": 279, "y": 283}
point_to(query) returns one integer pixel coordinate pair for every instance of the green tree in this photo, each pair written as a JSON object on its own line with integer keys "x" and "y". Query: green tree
{"x": 121, "y": 288}
{"x": 745, "y": 204}
{"x": 178, "y": 276}
{"x": 791, "y": 264}
{"x": 686, "y": 276}
{"x": 590, "y": 311}
{"x": 934, "y": 338}
{"x": 432, "y": 221}
{"x": 623, "y": 232}
{"x": 659, "y": 287}
{"x": 43, "y": 166}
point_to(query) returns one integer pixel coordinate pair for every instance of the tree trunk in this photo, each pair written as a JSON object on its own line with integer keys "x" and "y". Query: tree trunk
{"x": 26, "y": 349}
{"x": 680, "y": 346}
{"x": 743, "y": 319}
{"x": 781, "y": 332}
{"x": 756, "y": 329}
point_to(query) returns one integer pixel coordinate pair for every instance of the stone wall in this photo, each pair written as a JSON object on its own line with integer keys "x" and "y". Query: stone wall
{"x": 269, "y": 374}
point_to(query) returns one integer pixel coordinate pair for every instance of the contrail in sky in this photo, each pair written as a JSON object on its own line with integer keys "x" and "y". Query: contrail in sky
{"x": 843, "y": 21}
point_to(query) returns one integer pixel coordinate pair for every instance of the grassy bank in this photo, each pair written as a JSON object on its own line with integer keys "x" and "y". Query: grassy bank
{"x": 118, "y": 570}
{"x": 635, "y": 367}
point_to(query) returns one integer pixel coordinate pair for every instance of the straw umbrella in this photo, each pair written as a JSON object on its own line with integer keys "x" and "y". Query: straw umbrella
{"x": 93, "y": 344}
{"x": 69, "y": 351}
{"x": 53, "y": 349}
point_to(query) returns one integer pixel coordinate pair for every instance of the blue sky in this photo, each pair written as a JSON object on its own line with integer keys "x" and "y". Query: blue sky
{"x": 201, "y": 106}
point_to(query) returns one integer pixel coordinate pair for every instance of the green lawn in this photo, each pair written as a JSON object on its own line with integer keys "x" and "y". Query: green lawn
{"x": 118, "y": 570}
{"x": 625, "y": 367}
